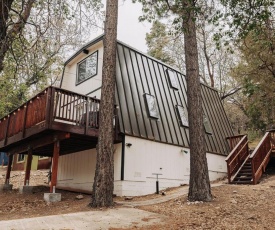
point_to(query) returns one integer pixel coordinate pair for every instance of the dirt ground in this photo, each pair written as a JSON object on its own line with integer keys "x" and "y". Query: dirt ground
{"x": 233, "y": 207}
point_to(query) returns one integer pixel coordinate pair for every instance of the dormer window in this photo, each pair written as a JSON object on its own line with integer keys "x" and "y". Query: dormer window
{"x": 87, "y": 68}
{"x": 172, "y": 77}
{"x": 152, "y": 108}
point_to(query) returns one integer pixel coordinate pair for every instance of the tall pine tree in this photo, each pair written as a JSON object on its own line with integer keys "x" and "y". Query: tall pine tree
{"x": 102, "y": 194}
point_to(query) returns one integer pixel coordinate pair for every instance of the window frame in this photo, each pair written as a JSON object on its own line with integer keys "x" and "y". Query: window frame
{"x": 19, "y": 156}
{"x": 79, "y": 63}
{"x": 150, "y": 115}
{"x": 184, "y": 110}
{"x": 207, "y": 131}
{"x": 172, "y": 85}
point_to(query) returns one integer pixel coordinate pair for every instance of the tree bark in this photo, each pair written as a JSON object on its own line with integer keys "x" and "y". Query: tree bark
{"x": 199, "y": 184}
{"x": 102, "y": 194}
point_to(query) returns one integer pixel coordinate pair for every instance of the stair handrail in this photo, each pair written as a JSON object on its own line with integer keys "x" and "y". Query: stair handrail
{"x": 260, "y": 157}
{"x": 234, "y": 140}
{"x": 237, "y": 157}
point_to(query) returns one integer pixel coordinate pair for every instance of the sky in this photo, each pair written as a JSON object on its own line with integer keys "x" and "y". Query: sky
{"x": 130, "y": 30}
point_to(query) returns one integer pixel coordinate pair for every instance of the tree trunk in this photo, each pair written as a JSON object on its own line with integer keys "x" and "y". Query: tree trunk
{"x": 199, "y": 183}
{"x": 8, "y": 36}
{"x": 102, "y": 194}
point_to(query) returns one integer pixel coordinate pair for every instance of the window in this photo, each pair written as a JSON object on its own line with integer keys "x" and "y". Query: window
{"x": 182, "y": 115}
{"x": 172, "y": 77}
{"x": 87, "y": 68}
{"x": 20, "y": 157}
{"x": 152, "y": 108}
{"x": 206, "y": 124}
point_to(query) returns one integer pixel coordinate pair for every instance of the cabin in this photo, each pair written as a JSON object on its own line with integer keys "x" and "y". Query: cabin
{"x": 151, "y": 133}
{"x": 38, "y": 162}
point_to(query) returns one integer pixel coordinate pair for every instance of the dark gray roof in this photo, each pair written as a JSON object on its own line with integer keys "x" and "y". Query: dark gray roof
{"x": 138, "y": 74}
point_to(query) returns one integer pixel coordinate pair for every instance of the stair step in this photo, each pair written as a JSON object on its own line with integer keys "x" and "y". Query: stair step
{"x": 246, "y": 167}
{"x": 246, "y": 170}
{"x": 242, "y": 182}
{"x": 243, "y": 178}
{"x": 245, "y": 174}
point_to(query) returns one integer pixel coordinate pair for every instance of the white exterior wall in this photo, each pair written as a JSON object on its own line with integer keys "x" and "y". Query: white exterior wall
{"x": 76, "y": 171}
{"x": 70, "y": 73}
{"x": 146, "y": 157}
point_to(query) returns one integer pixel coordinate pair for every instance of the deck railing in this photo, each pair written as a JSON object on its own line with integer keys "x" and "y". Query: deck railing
{"x": 29, "y": 114}
{"x": 234, "y": 140}
{"x": 48, "y": 108}
{"x": 75, "y": 109}
{"x": 260, "y": 157}
{"x": 237, "y": 156}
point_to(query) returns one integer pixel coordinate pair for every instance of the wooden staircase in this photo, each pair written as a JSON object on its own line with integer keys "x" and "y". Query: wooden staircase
{"x": 244, "y": 176}
{"x": 245, "y": 166}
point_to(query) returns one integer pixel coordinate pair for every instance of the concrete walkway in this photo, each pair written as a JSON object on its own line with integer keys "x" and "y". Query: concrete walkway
{"x": 124, "y": 217}
{"x": 93, "y": 220}
{"x": 181, "y": 191}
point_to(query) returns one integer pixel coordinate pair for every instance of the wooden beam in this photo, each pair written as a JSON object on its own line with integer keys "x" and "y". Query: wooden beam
{"x": 39, "y": 142}
{"x": 54, "y": 165}
{"x": 7, "y": 181}
{"x": 28, "y": 168}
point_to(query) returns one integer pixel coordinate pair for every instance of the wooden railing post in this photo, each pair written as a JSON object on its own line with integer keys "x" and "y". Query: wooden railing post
{"x": 87, "y": 115}
{"x": 231, "y": 143}
{"x": 253, "y": 171}
{"x": 7, "y": 130}
{"x": 25, "y": 119}
{"x": 50, "y": 105}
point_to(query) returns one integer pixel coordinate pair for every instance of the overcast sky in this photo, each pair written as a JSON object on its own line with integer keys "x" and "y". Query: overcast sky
{"x": 130, "y": 30}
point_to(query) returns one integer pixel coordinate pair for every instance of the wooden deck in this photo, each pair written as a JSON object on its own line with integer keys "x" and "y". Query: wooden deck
{"x": 52, "y": 115}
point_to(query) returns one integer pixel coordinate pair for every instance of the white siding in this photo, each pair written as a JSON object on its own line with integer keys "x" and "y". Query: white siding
{"x": 69, "y": 78}
{"x": 76, "y": 171}
{"x": 146, "y": 157}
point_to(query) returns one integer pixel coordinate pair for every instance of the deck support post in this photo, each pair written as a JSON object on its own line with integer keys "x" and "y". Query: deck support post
{"x": 56, "y": 149}
{"x": 7, "y": 180}
{"x": 28, "y": 167}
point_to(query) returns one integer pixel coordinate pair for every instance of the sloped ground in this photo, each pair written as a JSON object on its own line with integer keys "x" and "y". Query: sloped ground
{"x": 233, "y": 207}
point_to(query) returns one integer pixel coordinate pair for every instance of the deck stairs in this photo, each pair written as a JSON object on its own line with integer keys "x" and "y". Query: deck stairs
{"x": 246, "y": 166}
{"x": 244, "y": 176}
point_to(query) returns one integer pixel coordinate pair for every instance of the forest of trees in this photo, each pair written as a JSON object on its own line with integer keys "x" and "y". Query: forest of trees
{"x": 35, "y": 38}
{"x": 239, "y": 63}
